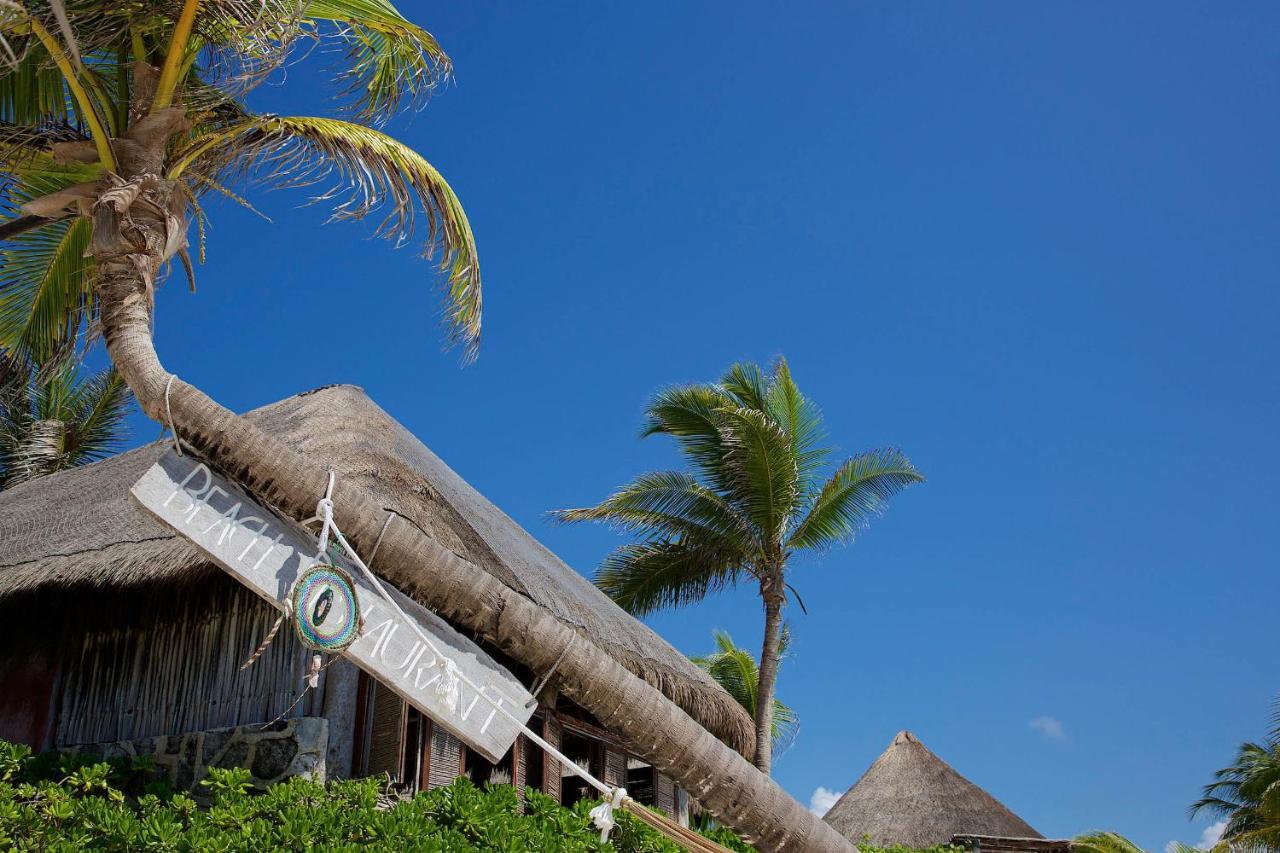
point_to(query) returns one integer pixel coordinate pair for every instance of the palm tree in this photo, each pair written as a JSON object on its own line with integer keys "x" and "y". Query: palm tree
{"x": 756, "y": 497}
{"x": 1247, "y": 794}
{"x": 735, "y": 670}
{"x": 50, "y": 424}
{"x": 1103, "y": 842}
{"x": 118, "y": 118}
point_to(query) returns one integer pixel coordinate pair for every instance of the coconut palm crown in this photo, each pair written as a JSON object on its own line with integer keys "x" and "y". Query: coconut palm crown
{"x": 758, "y": 493}
{"x": 735, "y": 669}
{"x": 54, "y": 422}
{"x": 119, "y": 118}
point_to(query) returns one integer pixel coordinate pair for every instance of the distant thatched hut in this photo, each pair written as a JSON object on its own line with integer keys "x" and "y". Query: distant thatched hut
{"x": 123, "y": 638}
{"x": 912, "y": 797}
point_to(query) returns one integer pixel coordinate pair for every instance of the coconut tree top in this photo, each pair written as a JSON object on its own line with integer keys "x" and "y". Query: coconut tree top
{"x": 94, "y": 90}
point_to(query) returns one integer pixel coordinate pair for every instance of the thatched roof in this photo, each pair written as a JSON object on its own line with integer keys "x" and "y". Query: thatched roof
{"x": 81, "y": 529}
{"x": 912, "y": 797}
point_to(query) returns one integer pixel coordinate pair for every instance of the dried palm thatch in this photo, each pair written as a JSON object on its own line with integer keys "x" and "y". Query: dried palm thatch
{"x": 81, "y": 530}
{"x": 910, "y": 796}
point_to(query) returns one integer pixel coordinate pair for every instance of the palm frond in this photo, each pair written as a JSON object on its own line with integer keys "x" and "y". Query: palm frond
{"x": 690, "y": 414}
{"x": 745, "y": 382}
{"x": 669, "y": 504}
{"x": 735, "y": 670}
{"x": 800, "y": 419}
{"x": 649, "y": 576}
{"x": 856, "y": 493}
{"x": 51, "y": 420}
{"x": 379, "y": 174}
{"x": 389, "y": 59}
{"x": 46, "y": 291}
{"x": 764, "y": 473}
{"x": 32, "y": 91}
{"x": 95, "y": 413}
{"x": 1104, "y": 842}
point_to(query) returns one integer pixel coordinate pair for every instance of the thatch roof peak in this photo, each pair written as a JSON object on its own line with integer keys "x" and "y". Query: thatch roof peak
{"x": 912, "y": 797}
{"x": 80, "y": 530}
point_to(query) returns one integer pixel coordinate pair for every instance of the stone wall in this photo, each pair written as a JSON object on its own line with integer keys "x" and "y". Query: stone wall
{"x": 288, "y": 748}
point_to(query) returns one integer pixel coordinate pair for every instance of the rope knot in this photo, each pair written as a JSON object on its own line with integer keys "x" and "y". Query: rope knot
{"x": 447, "y": 687}
{"x": 602, "y": 815}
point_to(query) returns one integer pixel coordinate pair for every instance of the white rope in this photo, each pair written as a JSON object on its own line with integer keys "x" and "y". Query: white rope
{"x": 602, "y": 815}
{"x": 377, "y": 543}
{"x": 168, "y": 410}
{"x": 546, "y": 676}
{"x": 452, "y": 675}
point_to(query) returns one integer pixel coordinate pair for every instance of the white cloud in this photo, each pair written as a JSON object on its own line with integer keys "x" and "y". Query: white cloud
{"x": 1050, "y": 727}
{"x": 822, "y": 800}
{"x": 1211, "y": 835}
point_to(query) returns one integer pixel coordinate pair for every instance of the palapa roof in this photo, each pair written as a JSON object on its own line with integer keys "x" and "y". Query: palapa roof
{"x": 912, "y": 797}
{"x": 80, "y": 529}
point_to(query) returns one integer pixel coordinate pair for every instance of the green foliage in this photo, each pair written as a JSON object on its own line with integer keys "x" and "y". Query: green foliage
{"x": 734, "y": 668}
{"x": 54, "y": 422}
{"x": 210, "y": 62}
{"x": 72, "y": 802}
{"x": 1247, "y": 794}
{"x": 755, "y": 496}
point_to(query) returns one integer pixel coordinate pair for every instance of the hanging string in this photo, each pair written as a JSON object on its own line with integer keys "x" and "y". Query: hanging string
{"x": 271, "y": 635}
{"x": 373, "y": 555}
{"x": 313, "y": 682}
{"x": 168, "y": 410}
{"x": 614, "y": 797}
{"x": 546, "y": 676}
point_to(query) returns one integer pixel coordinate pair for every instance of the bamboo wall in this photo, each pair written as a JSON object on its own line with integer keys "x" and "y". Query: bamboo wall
{"x": 173, "y": 666}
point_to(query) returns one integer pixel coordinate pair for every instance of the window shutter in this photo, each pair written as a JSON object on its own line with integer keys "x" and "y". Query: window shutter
{"x": 551, "y": 767}
{"x": 386, "y": 733}
{"x": 446, "y": 758}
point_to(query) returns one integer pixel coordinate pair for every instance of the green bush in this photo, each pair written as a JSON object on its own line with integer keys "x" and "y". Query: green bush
{"x": 56, "y": 802}
{"x": 69, "y": 802}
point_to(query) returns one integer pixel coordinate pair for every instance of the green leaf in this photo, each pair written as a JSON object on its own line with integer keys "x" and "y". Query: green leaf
{"x": 46, "y": 290}
{"x": 855, "y": 494}
{"x": 380, "y": 174}
{"x": 765, "y": 476}
{"x": 800, "y": 419}
{"x": 649, "y": 576}
{"x": 669, "y": 504}
{"x": 389, "y": 58}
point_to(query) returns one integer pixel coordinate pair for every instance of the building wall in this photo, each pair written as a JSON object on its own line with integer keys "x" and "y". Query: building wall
{"x": 169, "y": 664}
{"x": 288, "y": 748}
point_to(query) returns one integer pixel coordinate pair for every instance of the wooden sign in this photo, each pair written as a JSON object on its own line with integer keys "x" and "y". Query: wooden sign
{"x": 267, "y": 554}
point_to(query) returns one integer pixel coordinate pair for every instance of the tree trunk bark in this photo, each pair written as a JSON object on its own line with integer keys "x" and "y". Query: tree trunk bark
{"x": 652, "y": 726}
{"x": 773, "y": 600}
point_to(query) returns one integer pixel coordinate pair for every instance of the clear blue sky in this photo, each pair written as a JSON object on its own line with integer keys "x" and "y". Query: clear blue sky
{"x": 1035, "y": 247}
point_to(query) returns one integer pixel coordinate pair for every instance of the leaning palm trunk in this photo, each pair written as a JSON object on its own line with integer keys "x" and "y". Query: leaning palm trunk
{"x": 651, "y": 725}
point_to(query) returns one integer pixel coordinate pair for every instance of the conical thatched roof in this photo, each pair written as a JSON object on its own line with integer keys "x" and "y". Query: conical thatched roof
{"x": 911, "y": 796}
{"x": 81, "y": 529}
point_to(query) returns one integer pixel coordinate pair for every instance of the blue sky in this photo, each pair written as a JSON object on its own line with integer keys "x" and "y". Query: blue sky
{"x": 1034, "y": 247}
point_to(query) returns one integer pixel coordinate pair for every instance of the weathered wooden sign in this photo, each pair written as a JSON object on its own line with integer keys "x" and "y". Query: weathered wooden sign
{"x": 267, "y": 554}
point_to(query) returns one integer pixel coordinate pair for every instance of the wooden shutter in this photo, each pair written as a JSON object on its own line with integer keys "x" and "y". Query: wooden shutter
{"x": 615, "y": 768}
{"x": 446, "y": 758}
{"x": 666, "y": 796}
{"x": 551, "y": 767}
{"x": 386, "y": 733}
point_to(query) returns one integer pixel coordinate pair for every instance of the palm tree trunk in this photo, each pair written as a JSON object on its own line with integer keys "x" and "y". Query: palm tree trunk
{"x": 650, "y": 725}
{"x": 773, "y": 600}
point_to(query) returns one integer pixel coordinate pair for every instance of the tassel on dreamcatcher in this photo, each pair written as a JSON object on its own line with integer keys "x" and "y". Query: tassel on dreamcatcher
{"x": 325, "y": 613}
